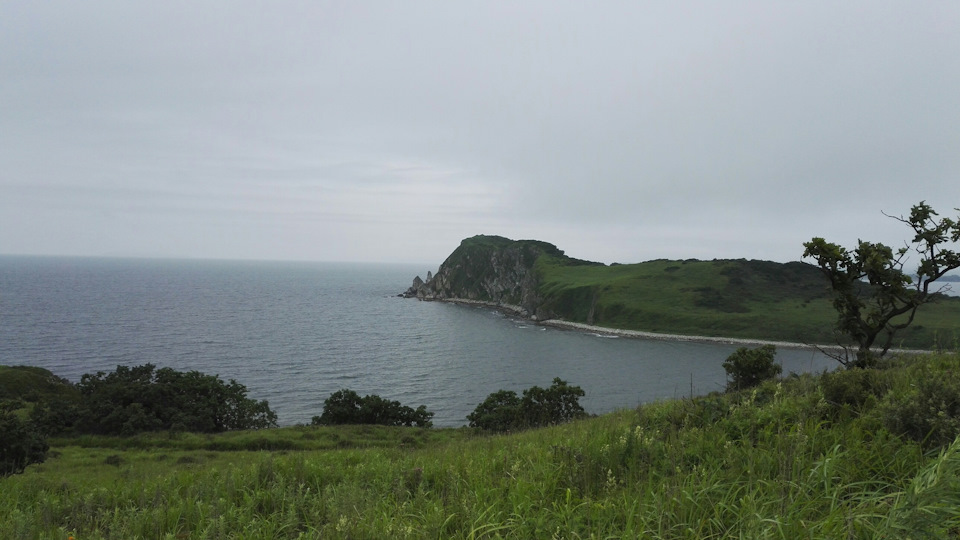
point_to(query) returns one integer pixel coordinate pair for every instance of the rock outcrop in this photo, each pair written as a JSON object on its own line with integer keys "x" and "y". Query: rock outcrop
{"x": 489, "y": 269}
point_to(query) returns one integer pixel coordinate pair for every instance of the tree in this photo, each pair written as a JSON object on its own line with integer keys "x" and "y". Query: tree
{"x": 347, "y": 407}
{"x": 747, "y": 368}
{"x": 873, "y": 296}
{"x": 504, "y": 410}
{"x": 20, "y": 443}
{"x": 499, "y": 412}
{"x": 142, "y": 398}
{"x": 554, "y": 405}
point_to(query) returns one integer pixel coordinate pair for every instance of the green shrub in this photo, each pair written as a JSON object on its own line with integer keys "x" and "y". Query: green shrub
{"x": 747, "y": 368}
{"x": 857, "y": 389}
{"x": 928, "y": 412}
{"x": 504, "y": 410}
{"x": 55, "y": 415}
{"x": 499, "y": 412}
{"x": 347, "y": 407}
{"x": 21, "y": 444}
{"x": 142, "y": 398}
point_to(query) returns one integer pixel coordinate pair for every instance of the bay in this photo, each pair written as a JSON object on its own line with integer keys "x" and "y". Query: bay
{"x": 294, "y": 332}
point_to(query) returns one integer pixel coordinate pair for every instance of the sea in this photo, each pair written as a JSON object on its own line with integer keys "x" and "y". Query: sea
{"x": 295, "y": 332}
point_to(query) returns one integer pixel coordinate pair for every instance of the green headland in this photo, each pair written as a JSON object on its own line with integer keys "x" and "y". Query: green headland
{"x": 734, "y": 298}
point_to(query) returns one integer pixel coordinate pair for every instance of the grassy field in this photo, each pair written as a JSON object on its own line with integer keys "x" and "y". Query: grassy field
{"x": 827, "y": 456}
{"x": 724, "y": 298}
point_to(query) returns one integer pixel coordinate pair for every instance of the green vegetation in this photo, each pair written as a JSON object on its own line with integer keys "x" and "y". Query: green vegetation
{"x": 721, "y": 298}
{"x": 873, "y": 296}
{"x": 21, "y": 444}
{"x": 852, "y": 454}
{"x": 347, "y": 407}
{"x": 504, "y": 410}
{"x": 31, "y": 384}
{"x": 130, "y": 400}
{"x": 747, "y": 368}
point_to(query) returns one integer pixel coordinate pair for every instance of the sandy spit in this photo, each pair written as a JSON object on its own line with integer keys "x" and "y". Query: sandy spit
{"x": 635, "y": 334}
{"x": 518, "y": 311}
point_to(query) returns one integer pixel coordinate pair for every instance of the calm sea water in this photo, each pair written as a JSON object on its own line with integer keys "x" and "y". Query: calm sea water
{"x": 293, "y": 333}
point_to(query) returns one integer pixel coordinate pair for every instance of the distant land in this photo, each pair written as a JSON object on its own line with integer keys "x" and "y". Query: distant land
{"x": 724, "y": 298}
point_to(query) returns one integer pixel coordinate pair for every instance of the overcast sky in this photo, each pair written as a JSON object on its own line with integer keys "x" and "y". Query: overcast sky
{"x": 389, "y": 131}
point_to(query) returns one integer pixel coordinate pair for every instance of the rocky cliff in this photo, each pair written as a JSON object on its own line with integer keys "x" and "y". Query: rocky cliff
{"x": 490, "y": 269}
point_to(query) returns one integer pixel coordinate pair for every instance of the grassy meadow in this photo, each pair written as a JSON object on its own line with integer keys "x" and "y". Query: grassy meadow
{"x": 850, "y": 454}
{"x": 722, "y": 298}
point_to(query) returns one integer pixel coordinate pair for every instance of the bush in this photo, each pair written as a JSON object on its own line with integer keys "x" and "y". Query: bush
{"x": 20, "y": 443}
{"x": 747, "y": 368}
{"x": 499, "y": 412}
{"x": 505, "y": 411}
{"x": 55, "y": 415}
{"x": 928, "y": 412}
{"x": 858, "y": 389}
{"x": 142, "y": 398}
{"x": 347, "y": 407}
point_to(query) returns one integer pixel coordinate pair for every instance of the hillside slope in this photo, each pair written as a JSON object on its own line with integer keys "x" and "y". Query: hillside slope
{"x": 721, "y": 298}
{"x": 846, "y": 454}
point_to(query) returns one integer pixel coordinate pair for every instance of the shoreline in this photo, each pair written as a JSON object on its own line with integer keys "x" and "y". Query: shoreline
{"x": 518, "y": 311}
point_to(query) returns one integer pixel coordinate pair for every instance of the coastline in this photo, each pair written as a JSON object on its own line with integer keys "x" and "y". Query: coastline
{"x": 518, "y": 311}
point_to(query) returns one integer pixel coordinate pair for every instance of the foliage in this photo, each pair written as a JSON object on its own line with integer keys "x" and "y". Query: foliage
{"x": 757, "y": 464}
{"x": 56, "y": 414}
{"x": 20, "y": 443}
{"x": 747, "y": 368}
{"x": 500, "y": 411}
{"x": 855, "y": 389}
{"x": 504, "y": 410}
{"x": 873, "y": 296}
{"x": 724, "y": 298}
{"x": 347, "y": 407}
{"x": 142, "y": 398}
{"x": 32, "y": 384}
{"x": 928, "y": 412}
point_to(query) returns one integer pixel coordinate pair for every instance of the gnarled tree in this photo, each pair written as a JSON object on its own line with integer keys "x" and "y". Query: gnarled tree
{"x": 873, "y": 296}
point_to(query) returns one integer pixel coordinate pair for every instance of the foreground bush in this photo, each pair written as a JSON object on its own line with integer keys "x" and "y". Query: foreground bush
{"x": 928, "y": 411}
{"x": 142, "y": 398}
{"x": 20, "y": 443}
{"x": 504, "y": 410}
{"x": 347, "y": 407}
{"x": 761, "y": 464}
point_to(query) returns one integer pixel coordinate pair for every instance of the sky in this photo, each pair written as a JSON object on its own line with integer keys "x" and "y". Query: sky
{"x": 389, "y": 131}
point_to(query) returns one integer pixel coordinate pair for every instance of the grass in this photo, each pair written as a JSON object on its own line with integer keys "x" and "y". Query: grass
{"x": 778, "y": 461}
{"x": 723, "y": 298}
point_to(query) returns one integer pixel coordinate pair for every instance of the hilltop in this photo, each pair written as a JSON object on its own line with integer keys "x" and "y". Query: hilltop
{"x": 723, "y": 298}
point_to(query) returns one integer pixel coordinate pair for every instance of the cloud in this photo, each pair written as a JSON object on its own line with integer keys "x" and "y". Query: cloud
{"x": 388, "y": 132}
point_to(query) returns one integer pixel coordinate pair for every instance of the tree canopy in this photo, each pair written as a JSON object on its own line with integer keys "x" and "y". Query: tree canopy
{"x": 873, "y": 295}
{"x": 747, "y": 368}
{"x": 21, "y": 444}
{"x": 142, "y": 398}
{"x": 347, "y": 407}
{"x": 504, "y": 410}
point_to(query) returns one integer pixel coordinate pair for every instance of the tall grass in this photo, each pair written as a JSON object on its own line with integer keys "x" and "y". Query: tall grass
{"x": 779, "y": 461}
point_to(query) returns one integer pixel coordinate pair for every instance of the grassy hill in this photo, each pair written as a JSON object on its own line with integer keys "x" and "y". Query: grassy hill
{"x": 31, "y": 384}
{"x": 725, "y": 298}
{"x": 850, "y": 454}
{"x": 739, "y": 298}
